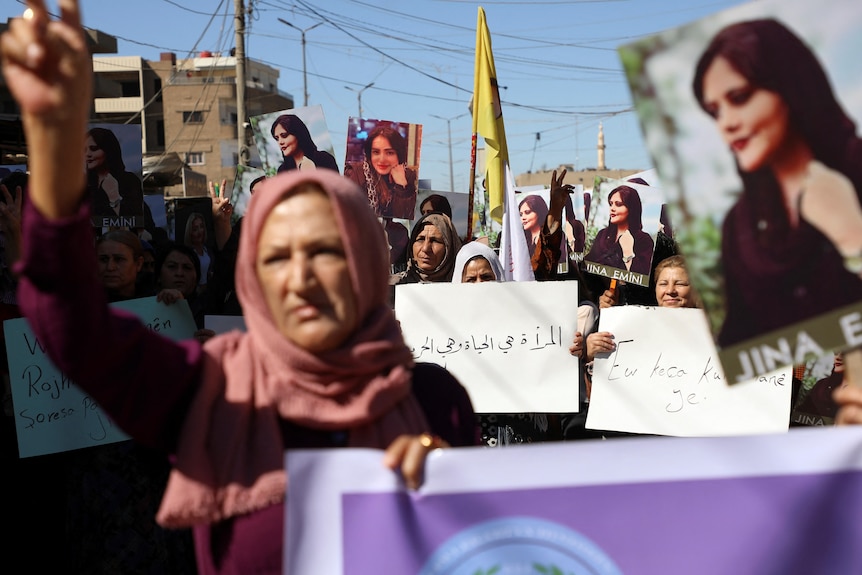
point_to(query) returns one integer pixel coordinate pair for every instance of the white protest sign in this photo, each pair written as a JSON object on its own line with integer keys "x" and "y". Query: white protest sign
{"x": 507, "y": 343}
{"x": 52, "y": 414}
{"x": 664, "y": 378}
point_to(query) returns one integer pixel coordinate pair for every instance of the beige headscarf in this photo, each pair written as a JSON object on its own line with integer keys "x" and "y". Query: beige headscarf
{"x": 230, "y": 451}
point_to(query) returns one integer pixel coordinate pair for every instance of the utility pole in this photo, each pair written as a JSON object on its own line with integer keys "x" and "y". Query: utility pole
{"x": 449, "y": 129}
{"x": 304, "y": 74}
{"x": 241, "y": 115}
{"x": 359, "y": 95}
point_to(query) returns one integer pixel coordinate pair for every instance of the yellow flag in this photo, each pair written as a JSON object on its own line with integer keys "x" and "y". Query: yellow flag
{"x": 488, "y": 118}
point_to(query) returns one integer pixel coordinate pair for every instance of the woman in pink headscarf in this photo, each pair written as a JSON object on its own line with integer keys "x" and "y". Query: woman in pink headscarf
{"x": 323, "y": 363}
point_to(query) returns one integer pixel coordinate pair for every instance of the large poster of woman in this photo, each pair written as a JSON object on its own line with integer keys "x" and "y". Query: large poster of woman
{"x": 113, "y": 161}
{"x": 383, "y": 159}
{"x": 533, "y": 205}
{"x": 621, "y": 231}
{"x": 751, "y": 118}
{"x": 296, "y": 139}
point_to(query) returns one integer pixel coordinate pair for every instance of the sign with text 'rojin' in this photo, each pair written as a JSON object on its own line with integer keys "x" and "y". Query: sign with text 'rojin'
{"x": 52, "y": 414}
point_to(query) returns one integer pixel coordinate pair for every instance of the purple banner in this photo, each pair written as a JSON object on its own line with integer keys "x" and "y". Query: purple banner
{"x": 747, "y": 505}
{"x": 783, "y": 524}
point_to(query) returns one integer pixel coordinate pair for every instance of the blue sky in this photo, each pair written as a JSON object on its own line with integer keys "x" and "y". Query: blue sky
{"x": 556, "y": 59}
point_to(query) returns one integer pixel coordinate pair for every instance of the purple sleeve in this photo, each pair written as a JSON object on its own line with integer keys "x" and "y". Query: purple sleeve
{"x": 143, "y": 380}
{"x": 446, "y": 405}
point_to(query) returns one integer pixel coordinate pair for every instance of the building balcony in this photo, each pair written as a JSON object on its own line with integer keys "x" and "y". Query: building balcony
{"x": 181, "y": 80}
{"x": 119, "y": 105}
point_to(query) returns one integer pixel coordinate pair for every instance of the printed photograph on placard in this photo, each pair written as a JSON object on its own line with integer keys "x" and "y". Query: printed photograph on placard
{"x": 624, "y": 219}
{"x": 533, "y": 203}
{"x": 296, "y": 139}
{"x": 751, "y": 119}
{"x": 190, "y": 222}
{"x": 383, "y": 159}
{"x": 113, "y": 162}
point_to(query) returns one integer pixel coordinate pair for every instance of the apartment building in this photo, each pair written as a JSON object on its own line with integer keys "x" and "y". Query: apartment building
{"x": 187, "y": 112}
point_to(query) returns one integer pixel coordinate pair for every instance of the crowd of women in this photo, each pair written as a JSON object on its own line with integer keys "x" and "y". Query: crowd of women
{"x": 322, "y": 364}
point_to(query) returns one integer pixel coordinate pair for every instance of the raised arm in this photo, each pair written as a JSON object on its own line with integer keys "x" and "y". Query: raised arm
{"x": 222, "y": 210}
{"x": 47, "y": 68}
{"x": 49, "y": 72}
{"x": 559, "y": 194}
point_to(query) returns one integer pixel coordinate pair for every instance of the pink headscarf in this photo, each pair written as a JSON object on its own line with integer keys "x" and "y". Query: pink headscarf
{"x": 230, "y": 450}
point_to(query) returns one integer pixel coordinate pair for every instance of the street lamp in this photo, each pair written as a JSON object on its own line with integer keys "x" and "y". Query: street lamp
{"x": 304, "y": 75}
{"x": 359, "y": 95}
{"x": 449, "y": 129}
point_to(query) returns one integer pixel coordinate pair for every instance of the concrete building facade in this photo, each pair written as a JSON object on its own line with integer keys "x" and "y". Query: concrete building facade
{"x": 580, "y": 177}
{"x": 187, "y": 112}
{"x": 13, "y": 146}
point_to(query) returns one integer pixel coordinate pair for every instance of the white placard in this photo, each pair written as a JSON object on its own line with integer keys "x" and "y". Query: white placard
{"x": 52, "y": 414}
{"x": 664, "y": 378}
{"x": 507, "y": 343}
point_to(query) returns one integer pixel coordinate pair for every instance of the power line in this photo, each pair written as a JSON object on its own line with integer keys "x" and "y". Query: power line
{"x": 381, "y": 52}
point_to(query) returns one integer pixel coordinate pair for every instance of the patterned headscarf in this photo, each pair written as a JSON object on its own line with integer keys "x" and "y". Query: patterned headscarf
{"x": 443, "y": 272}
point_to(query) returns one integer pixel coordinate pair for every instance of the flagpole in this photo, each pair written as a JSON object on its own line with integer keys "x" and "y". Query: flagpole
{"x": 498, "y": 181}
{"x": 472, "y": 188}
{"x": 475, "y": 126}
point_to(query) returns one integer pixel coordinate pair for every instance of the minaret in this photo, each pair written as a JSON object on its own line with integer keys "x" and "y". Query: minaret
{"x": 601, "y": 148}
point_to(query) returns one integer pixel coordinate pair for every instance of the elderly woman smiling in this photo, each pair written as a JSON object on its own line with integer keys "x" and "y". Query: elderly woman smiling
{"x": 672, "y": 289}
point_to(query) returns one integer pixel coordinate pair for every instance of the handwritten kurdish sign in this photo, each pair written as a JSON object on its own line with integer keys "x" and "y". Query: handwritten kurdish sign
{"x": 507, "y": 343}
{"x": 52, "y": 414}
{"x": 665, "y": 378}
{"x": 715, "y": 505}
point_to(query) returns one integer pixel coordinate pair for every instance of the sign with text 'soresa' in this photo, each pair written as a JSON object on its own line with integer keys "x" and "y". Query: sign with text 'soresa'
{"x": 52, "y": 414}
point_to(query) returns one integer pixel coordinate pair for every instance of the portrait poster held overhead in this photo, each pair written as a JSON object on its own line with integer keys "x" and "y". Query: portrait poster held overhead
{"x": 190, "y": 223}
{"x": 181, "y": 213}
{"x": 113, "y": 162}
{"x": 383, "y": 159}
{"x": 664, "y": 378}
{"x": 532, "y": 205}
{"x": 718, "y": 505}
{"x": 507, "y": 343}
{"x": 293, "y": 139}
{"x": 621, "y": 230}
{"x": 751, "y": 117}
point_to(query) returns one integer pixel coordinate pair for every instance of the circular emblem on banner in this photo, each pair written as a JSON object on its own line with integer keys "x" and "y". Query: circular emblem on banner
{"x": 522, "y": 546}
